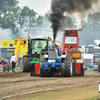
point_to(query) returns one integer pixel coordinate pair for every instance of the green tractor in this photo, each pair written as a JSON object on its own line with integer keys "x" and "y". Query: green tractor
{"x": 36, "y": 48}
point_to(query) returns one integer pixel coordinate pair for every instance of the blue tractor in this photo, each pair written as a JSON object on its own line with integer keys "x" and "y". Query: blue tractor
{"x": 54, "y": 62}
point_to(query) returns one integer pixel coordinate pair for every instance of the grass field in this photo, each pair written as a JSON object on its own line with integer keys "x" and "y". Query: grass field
{"x": 87, "y": 92}
{"x": 93, "y": 98}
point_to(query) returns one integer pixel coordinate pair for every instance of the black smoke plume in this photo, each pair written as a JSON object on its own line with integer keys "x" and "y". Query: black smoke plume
{"x": 59, "y": 7}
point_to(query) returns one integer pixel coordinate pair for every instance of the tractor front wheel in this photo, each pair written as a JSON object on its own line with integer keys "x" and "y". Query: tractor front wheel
{"x": 7, "y": 68}
{"x": 43, "y": 72}
{"x": 26, "y": 63}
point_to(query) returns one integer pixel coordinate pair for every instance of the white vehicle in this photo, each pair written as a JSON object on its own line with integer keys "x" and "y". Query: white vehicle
{"x": 96, "y": 58}
{"x": 88, "y": 56}
{"x": 97, "y": 43}
{"x": 96, "y": 61}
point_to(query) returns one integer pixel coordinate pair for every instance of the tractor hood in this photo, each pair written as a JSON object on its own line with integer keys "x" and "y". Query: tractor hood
{"x": 37, "y": 50}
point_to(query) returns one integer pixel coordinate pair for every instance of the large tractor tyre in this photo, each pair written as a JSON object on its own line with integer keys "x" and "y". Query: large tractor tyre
{"x": 99, "y": 65}
{"x": 7, "y": 67}
{"x": 62, "y": 69}
{"x": 82, "y": 70}
{"x": 42, "y": 59}
{"x": 26, "y": 63}
{"x": 43, "y": 72}
{"x": 67, "y": 67}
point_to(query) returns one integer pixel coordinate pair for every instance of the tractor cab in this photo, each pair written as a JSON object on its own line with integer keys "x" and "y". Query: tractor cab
{"x": 70, "y": 41}
{"x": 38, "y": 46}
{"x": 9, "y": 53}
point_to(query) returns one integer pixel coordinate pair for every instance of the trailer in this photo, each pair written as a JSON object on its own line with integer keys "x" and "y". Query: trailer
{"x": 88, "y": 56}
{"x": 96, "y": 58}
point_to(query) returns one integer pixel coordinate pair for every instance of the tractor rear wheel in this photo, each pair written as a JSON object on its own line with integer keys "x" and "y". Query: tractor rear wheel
{"x": 82, "y": 70}
{"x": 26, "y": 63}
{"x": 67, "y": 67}
{"x": 43, "y": 72}
{"x": 99, "y": 65}
{"x": 82, "y": 73}
{"x": 7, "y": 68}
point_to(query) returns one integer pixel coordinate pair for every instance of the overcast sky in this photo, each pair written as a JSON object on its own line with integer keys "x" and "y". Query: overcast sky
{"x": 40, "y": 6}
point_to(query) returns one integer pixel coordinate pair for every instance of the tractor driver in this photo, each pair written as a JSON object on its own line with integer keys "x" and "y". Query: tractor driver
{"x": 40, "y": 45}
{"x": 56, "y": 46}
{"x": 72, "y": 40}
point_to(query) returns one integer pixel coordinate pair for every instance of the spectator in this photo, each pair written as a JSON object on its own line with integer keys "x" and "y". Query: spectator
{"x": 2, "y": 62}
{"x": 40, "y": 45}
{"x": 13, "y": 62}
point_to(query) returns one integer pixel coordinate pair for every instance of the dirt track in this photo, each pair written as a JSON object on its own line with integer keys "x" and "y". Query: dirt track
{"x": 19, "y": 83}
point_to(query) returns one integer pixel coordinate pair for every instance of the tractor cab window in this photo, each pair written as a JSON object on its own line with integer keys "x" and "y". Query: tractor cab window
{"x": 89, "y": 50}
{"x": 39, "y": 44}
{"x": 71, "y": 40}
{"x": 9, "y": 53}
{"x": 49, "y": 44}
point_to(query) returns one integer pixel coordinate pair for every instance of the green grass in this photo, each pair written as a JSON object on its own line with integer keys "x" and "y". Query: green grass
{"x": 54, "y": 97}
{"x": 93, "y": 98}
{"x": 60, "y": 96}
{"x": 75, "y": 93}
{"x": 50, "y": 96}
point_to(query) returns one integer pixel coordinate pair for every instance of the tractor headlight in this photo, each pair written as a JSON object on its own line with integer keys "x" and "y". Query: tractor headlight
{"x": 33, "y": 52}
{"x": 45, "y": 56}
{"x": 38, "y": 52}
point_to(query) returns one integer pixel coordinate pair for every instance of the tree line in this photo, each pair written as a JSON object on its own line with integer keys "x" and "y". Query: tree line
{"x": 13, "y": 17}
